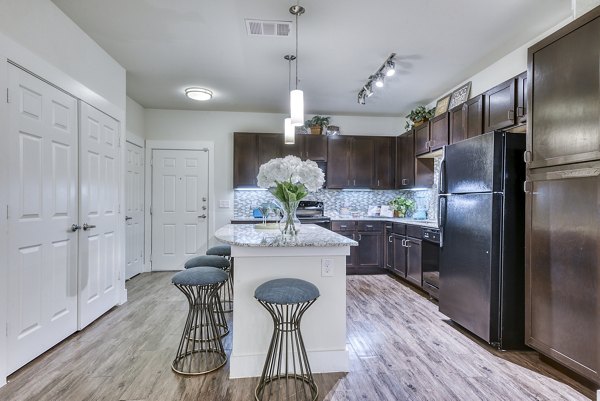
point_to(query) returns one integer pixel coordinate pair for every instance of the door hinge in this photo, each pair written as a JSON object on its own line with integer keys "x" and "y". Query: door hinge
{"x": 151, "y": 161}
{"x": 150, "y": 210}
{"x": 6, "y": 212}
{"x": 7, "y": 96}
{"x": 6, "y": 329}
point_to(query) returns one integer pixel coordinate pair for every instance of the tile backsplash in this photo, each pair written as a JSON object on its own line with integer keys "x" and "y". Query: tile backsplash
{"x": 355, "y": 200}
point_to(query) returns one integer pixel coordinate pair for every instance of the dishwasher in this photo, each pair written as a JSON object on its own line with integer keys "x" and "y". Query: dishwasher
{"x": 431, "y": 261}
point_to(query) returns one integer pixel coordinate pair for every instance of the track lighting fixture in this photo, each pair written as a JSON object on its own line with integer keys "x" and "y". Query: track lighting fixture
{"x": 387, "y": 69}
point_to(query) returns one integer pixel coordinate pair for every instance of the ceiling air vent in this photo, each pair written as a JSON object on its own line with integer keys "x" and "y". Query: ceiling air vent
{"x": 256, "y": 27}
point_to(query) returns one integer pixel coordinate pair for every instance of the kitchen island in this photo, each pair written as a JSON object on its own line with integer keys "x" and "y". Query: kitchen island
{"x": 316, "y": 255}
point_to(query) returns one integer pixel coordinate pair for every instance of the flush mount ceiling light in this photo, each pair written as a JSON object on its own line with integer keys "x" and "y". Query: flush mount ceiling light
{"x": 201, "y": 94}
{"x": 387, "y": 69}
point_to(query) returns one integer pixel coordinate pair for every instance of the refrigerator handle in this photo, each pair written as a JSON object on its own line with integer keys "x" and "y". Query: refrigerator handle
{"x": 441, "y": 217}
{"x": 442, "y": 180}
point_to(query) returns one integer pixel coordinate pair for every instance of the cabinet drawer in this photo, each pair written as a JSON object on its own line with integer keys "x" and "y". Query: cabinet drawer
{"x": 399, "y": 228}
{"x": 370, "y": 226}
{"x": 414, "y": 231}
{"x": 343, "y": 225}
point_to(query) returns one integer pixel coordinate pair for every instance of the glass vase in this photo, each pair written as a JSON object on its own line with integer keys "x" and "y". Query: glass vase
{"x": 289, "y": 224}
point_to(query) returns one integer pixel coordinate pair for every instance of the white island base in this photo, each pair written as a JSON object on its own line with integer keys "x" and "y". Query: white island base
{"x": 324, "y": 323}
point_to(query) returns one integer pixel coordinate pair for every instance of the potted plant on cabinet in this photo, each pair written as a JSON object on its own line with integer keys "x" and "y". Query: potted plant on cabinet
{"x": 418, "y": 116}
{"x": 401, "y": 206}
{"x": 317, "y": 124}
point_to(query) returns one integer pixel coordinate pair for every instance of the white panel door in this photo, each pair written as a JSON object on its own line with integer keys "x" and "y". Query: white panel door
{"x": 179, "y": 206}
{"x": 42, "y": 290}
{"x": 98, "y": 210}
{"x": 134, "y": 213}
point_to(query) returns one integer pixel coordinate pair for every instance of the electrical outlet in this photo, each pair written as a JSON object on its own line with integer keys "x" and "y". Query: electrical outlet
{"x": 224, "y": 204}
{"x": 326, "y": 267}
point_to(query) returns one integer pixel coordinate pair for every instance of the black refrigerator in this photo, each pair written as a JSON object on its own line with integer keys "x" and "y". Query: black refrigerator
{"x": 481, "y": 218}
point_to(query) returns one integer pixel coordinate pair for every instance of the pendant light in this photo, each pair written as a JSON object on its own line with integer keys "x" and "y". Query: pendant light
{"x": 289, "y": 130}
{"x": 297, "y": 96}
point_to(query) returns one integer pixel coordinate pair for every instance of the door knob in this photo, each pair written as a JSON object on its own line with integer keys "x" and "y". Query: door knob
{"x": 202, "y": 216}
{"x": 75, "y": 227}
{"x": 128, "y": 218}
{"x": 87, "y": 226}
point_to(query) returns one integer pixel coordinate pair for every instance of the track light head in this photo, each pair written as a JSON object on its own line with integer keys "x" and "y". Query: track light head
{"x": 368, "y": 89}
{"x": 361, "y": 97}
{"x": 379, "y": 80}
{"x": 390, "y": 68}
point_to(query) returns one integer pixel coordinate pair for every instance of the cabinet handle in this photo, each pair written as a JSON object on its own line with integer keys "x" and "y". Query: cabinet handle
{"x": 307, "y": 154}
{"x": 405, "y": 181}
{"x": 427, "y": 144}
{"x": 431, "y": 143}
{"x": 511, "y": 114}
{"x": 390, "y": 239}
{"x": 406, "y": 243}
{"x": 403, "y": 242}
{"x": 354, "y": 182}
{"x": 520, "y": 111}
{"x": 359, "y": 237}
{"x": 527, "y": 156}
{"x": 377, "y": 182}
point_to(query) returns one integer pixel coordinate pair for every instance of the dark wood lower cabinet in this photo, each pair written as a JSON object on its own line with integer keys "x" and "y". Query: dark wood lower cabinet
{"x": 414, "y": 272}
{"x": 370, "y": 247}
{"x": 388, "y": 257}
{"x": 399, "y": 255}
{"x": 368, "y": 256}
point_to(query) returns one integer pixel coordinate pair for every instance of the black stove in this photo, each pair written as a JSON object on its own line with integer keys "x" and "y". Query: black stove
{"x": 313, "y": 212}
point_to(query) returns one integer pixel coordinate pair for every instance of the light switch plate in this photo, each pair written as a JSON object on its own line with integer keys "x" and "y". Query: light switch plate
{"x": 327, "y": 268}
{"x": 224, "y": 204}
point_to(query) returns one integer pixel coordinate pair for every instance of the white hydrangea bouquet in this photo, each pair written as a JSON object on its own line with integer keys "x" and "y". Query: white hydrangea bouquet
{"x": 290, "y": 180}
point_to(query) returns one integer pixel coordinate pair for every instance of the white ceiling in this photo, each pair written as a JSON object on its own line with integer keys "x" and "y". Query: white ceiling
{"x": 168, "y": 45}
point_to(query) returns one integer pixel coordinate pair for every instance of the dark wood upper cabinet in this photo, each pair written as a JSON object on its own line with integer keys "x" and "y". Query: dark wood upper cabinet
{"x": 521, "y": 110}
{"x": 422, "y": 139}
{"x": 245, "y": 159}
{"x": 565, "y": 95}
{"x": 438, "y": 132}
{"x": 405, "y": 160}
{"x": 456, "y": 124}
{"x": 385, "y": 160}
{"x": 424, "y": 173}
{"x": 270, "y": 146}
{"x": 315, "y": 147}
{"x": 500, "y": 106}
{"x": 338, "y": 161}
{"x": 361, "y": 162}
{"x": 473, "y": 116}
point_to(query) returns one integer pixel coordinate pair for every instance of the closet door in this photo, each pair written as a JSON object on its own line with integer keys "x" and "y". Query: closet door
{"x": 99, "y": 201}
{"x": 42, "y": 288}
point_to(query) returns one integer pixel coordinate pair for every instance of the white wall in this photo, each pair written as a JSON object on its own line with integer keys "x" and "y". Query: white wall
{"x": 218, "y": 127}
{"x": 135, "y": 122}
{"x": 46, "y": 31}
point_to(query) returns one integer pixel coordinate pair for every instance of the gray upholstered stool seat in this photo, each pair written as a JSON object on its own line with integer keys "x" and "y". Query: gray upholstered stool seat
{"x": 208, "y": 260}
{"x": 286, "y": 369}
{"x": 285, "y": 291}
{"x": 220, "y": 250}
{"x": 204, "y": 275}
{"x": 200, "y": 349}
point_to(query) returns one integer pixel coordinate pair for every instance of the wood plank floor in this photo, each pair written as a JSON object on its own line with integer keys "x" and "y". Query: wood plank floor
{"x": 401, "y": 348}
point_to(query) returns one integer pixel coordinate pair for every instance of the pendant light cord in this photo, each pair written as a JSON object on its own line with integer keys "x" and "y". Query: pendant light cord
{"x": 297, "y": 4}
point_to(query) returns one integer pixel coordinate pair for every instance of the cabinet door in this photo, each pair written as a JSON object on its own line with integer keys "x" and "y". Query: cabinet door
{"x": 522, "y": 98}
{"x": 565, "y": 95}
{"x": 245, "y": 160}
{"x": 370, "y": 249}
{"x": 361, "y": 162}
{"x": 473, "y": 116}
{"x": 457, "y": 125}
{"x": 562, "y": 270}
{"x": 350, "y": 259}
{"x": 338, "y": 161}
{"x": 384, "y": 170}
{"x": 315, "y": 147}
{"x": 405, "y": 160}
{"x": 424, "y": 173}
{"x": 389, "y": 248}
{"x": 399, "y": 255}
{"x": 500, "y": 106}
{"x": 422, "y": 139}
{"x": 438, "y": 132}
{"x": 270, "y": 146}
{"x": 413, "y": 266}
{"x": 295, "y": 149}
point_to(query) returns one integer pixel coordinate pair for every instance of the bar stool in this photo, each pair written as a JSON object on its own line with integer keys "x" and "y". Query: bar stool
{"x": 286, "y": 372}
{"x": 220, "y": 263}
{"x": 200, "y": 350}
{"x": 227, "y": 290}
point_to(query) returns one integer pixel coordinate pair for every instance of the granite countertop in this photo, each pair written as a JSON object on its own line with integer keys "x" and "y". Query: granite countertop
{"x": 310, "y": 235}
{"x": 404, "y": 220}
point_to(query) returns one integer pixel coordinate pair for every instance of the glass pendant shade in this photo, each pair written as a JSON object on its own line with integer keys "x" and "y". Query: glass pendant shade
{"x": 289, "y": 132}
{"x": 297, "y": 107}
